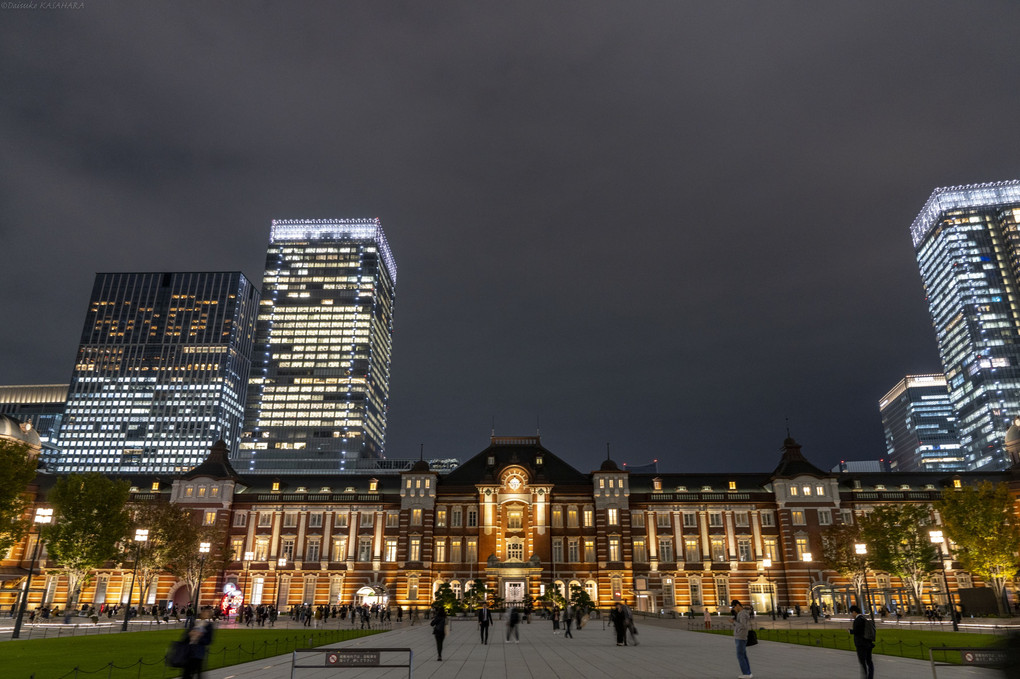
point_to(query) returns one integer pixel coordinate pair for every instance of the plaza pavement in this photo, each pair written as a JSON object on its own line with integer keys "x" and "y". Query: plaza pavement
{"x": 667, "y": 650}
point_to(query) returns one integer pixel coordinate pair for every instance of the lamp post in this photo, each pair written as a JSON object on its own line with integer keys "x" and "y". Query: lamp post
{"x": 248, "y": 556}
{"x": 767, "y": 563}
{"x": 141, "y": 535}
{"x": 938, "y": 539}
{"x": 280, "y": 563}
{"x": 203, "y": 549}
{"x": 806, "y": 557}
{"x": 862, "y": 551}
{"x": 42, "y": 517}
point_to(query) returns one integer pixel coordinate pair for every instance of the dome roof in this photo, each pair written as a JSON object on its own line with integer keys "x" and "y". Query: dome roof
{"x": 1013, "y": 433}
{"x": 609, "y": 466}
{"x": 24, "y": 432}
{"x": 420, "y": 466}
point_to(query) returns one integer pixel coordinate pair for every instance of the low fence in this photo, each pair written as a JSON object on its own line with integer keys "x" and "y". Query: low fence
{"x": 224, "y": 656}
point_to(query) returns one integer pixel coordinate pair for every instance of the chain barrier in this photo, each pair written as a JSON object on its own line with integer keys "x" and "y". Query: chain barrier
{"x": 309, "y": 639}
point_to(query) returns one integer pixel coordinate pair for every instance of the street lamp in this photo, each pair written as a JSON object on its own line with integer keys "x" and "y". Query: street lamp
{"x": 937, "y": 539}
{"x": 862, "y": 551}
{"x": 767, "y": 564}
{"x": 248, "y": 556}
{"x": 42, "y": 516}
{"x": 806, "y": 557}
{"x": 141, "y": 535}
{"x": 203, "y": 549}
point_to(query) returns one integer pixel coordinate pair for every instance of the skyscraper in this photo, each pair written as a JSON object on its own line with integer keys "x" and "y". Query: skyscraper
{"x": 161, "y": 372}
{"x": 920, "y": 426}
{"x": 968, "y": 250}
{"x": 321, "y": 368}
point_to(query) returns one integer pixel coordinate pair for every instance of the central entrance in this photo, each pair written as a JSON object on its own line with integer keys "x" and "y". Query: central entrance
{"x": 513, "y": 591}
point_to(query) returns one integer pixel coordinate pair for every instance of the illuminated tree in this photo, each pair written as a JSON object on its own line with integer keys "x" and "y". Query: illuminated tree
{"x": 19, "y": 469}
{"x": 839, "y": 554}
{"x": 90, "y": 522}
{"x": 983, "y": 524}
{"x": 899, "y": 543}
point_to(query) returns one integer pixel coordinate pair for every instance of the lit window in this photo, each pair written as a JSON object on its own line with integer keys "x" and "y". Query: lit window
{"x": 155, "y": 485}
{"x": 515, "y": 520}
{"x": 209, "y": 519}
{"x": 613, "y": 519}
{"x": 797, "y": 517}
{"x": 614, "y": 549}
{"x": 733, "y": 485}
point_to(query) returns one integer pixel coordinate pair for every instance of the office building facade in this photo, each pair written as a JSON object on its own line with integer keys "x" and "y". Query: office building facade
{"x": 161, "y": 372}
{"x": 321, "y": 369}
{"x": 920, "y": 426}
{"x": 968, "y": 250}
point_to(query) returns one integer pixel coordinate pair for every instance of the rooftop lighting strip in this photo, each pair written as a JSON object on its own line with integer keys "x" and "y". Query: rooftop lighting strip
{"x": 317, "y": 229}
{"x": 968, "y": 195}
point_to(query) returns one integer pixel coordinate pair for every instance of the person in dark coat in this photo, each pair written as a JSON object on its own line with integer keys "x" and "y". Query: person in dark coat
{"x": 439, "y": 630}
{"x": 198, "y": 637}
{"x": 618, "y": 618}
{"x": 484, "y": 621}
{"x": 862, "y": 643}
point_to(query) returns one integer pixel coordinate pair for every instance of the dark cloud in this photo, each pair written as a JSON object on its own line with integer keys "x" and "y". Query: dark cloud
{"x": 666, "y": 225}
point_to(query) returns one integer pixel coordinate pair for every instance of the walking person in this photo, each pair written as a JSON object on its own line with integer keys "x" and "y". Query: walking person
{"x": 484, "y": 620}
{"x": 741, "y": 623}
{"x": 619, "y": 621}
{"x": 629, "y": 616}
{"x": 511, "y": 627}
{"x": 556, "y": 620}
{"x": 568, "y": 618}
{"x": 439, "y": 630}
{"x": 198, "y": 637}
{"x": 864, "y": 641}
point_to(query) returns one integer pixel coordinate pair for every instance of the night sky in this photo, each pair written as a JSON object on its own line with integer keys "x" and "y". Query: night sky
{"x": 664, "y": 225}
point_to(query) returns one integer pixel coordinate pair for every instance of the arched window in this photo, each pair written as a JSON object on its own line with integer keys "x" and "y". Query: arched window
{"x": 592, "y": 589}
{"x": 457, "y": 588}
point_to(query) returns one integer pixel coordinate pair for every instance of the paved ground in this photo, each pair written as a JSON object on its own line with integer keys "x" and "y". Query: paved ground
{"x": 666, "y": 650}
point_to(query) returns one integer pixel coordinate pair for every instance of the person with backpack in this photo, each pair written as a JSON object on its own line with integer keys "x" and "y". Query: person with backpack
{"x": 864, "y": 641}
{"x": 741, "y": 625}
{"x": 515, "y": 620}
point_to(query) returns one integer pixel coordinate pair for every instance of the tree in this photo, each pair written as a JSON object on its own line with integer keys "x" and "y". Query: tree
{"x": 171, "y": 534}
{"x": 580, "y": 599}
{"x": 476, "y": 594}
{"x": 839, "y": 554}
{"x": 983, "y": 523}
{"x": 19, "y": 466}
{"x": 446, "y": 598}
{"x": 899, "y": 543}
{"x": 186, "y": 562}
{"x": 90, "y": 521}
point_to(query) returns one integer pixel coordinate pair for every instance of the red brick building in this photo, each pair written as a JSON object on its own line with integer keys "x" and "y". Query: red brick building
{"x": 523, "y": 521}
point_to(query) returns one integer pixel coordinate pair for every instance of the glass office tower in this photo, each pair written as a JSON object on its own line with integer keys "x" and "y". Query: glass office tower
{"x": 920, "y": 426}
{"x": 161, "y": 372}
{"x": 968, "y": 250}
{"x": 321, "y": 368}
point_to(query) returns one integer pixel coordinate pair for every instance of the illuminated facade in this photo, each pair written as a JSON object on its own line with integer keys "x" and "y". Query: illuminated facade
{"x": 968, "y": 250}
{"x": 321, "y": 369}
{"x": 524, "y": 522}
{"x": 920, "y": 426}
{"x": 161, "y": 372}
